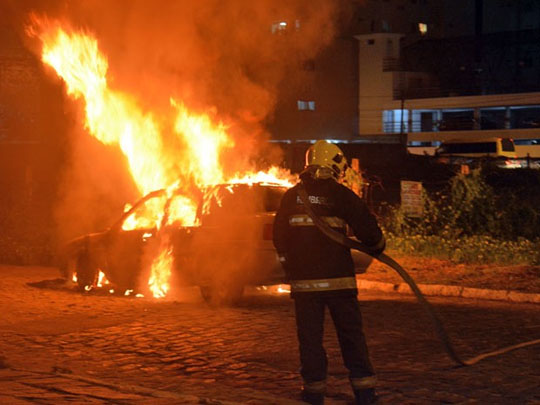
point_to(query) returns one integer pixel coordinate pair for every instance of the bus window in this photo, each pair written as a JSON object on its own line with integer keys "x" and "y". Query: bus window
{"x": 507, "y": 145}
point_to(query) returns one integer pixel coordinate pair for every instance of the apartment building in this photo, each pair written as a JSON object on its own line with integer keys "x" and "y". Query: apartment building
{"x": 471, "y": 70}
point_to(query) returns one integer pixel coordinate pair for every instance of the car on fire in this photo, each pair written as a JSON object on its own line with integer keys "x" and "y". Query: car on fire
{"x": 229, "y": 248}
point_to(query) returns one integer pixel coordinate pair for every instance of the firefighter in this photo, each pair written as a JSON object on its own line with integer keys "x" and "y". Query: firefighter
{"x": 321, "y": 271}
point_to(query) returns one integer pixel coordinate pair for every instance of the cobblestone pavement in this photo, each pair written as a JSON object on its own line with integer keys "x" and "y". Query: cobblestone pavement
{"x": 58, "y": 346}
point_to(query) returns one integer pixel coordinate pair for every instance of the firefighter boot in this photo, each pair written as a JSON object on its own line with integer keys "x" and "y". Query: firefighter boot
{"x": 313, "y": 398}
{"x": 365, "y": 396}
{"x": 364, "y": 390}
{"x": 313, "y": 392}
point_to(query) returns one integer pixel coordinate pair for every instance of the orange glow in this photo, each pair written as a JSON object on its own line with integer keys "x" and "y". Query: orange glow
{"x": 148, "y": 216}
{"x": 102, "y": 280}
{"x": 274, "y": 175}
{"x": 111, "y": 116}
{"x": 160, "y": 273}
{"x": 205, "y": 142}
{"x": 283, "y": 289}
{"x": 115, "y": 118}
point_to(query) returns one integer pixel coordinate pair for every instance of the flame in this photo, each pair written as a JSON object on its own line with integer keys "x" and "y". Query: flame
{"x": 111, "y": 116}
{"x": 114, "y": 118}
{"x": 102, "y": 279}
{"x": 147, "y": 216}
{"x": 205, "y": 142}
{"x": 274, "y": 175}
{"x": 283, "y": 289}
{"x": 160, "y": 273}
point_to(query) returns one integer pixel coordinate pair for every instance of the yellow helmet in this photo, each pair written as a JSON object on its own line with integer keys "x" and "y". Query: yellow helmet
{"x": 328, "y": 157}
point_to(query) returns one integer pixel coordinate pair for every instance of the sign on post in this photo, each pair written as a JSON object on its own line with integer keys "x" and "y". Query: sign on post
{"x": 411, "y": 198}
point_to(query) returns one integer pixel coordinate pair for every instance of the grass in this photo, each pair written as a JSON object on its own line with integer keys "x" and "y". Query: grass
{"x": 468, "y": 249}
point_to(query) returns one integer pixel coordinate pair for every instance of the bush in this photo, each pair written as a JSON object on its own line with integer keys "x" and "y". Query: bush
{"x": 473, "y": 221}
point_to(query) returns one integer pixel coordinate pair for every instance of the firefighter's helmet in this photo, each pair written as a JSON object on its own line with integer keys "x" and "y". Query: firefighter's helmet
{"x": 328, "y": 157}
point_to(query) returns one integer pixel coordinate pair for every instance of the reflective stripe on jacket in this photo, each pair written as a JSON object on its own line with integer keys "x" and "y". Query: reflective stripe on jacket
{"x": 323, "y": 284}
{"x": 305, "y": 220}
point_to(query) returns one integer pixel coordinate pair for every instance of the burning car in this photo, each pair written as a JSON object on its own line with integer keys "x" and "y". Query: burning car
{"x": 229, "y": 248}
{"x": 215, "y": 232}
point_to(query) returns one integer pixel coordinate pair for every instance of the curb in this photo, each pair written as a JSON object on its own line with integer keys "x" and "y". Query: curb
{"x": 451, "y": 291}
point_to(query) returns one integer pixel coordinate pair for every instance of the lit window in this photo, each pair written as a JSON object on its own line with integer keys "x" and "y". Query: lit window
{"x": 305, "y": 105}
{"x": 394, "y": 121}
{"x": 279, "y": 26}
{"x": 422, "y": 28}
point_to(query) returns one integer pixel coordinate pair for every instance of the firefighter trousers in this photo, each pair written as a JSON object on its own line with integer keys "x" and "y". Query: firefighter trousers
{"x": 347, "y": 318}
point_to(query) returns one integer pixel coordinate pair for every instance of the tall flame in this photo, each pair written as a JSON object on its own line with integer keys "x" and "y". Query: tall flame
{"x": 111, "y": 116}
{"x": 205, "y": 141}
{"x": 115, "y": 118}
{"x": 160, "y": 273}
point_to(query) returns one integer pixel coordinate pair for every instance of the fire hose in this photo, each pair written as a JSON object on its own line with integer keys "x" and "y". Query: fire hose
{"x": 383, "y": 258}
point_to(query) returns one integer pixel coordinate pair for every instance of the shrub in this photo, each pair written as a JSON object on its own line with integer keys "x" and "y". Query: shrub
{"x": 471, "y": 221}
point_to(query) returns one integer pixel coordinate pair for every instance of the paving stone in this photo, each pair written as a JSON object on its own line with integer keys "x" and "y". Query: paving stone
{"x": 250, "y": 354}
{"x": 13, "y": 400}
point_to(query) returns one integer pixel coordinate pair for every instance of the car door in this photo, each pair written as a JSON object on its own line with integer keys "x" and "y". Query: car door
{"x": 130, "y": 246}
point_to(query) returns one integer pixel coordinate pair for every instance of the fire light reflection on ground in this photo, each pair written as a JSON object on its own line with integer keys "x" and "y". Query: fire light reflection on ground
{"x": 103, "y": 288}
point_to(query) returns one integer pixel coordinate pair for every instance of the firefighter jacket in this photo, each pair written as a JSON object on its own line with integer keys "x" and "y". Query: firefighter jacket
{"x": 312, "y": 261}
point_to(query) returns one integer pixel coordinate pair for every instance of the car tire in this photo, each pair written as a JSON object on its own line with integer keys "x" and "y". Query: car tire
{"x": 225, "y": 294}
{"x": 86, "y": 270}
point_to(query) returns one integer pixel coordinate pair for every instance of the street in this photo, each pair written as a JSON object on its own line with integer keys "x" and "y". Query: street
{"x": 61, "y": 346}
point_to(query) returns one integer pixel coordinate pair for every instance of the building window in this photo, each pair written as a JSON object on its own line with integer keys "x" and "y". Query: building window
{"x": 305, "y": 105}
{"x": 279, "y": 27}
{"x": 422, "y": 28}
{"x": 395, "y": 120}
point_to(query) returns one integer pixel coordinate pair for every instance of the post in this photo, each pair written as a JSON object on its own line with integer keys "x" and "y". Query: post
{"x": 402, "y": 137}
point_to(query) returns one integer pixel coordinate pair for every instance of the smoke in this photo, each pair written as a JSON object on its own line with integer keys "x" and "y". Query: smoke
{"x": 226, "y": 58}
{"x": 210, "y": 54}
{"x": 207, "y": 53}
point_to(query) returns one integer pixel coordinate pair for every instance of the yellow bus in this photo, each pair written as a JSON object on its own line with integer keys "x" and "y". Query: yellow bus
{"x": 493, "y": 147}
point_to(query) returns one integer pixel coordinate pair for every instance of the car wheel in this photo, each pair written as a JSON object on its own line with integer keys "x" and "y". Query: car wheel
{"x": 87, "y": 272}
{"x": 225, "y": 294}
